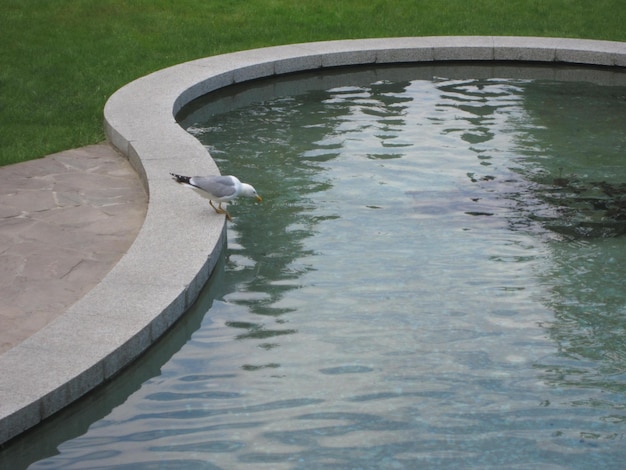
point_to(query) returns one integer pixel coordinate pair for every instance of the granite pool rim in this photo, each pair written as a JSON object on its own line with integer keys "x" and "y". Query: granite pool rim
{"x": 181, "y": 239}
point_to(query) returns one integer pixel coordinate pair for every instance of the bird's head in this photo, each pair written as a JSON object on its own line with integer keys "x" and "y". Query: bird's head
{"x": 249, "y": 191}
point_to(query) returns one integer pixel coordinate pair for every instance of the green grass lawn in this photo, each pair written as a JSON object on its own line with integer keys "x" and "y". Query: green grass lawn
{"x": 60, "y": 60}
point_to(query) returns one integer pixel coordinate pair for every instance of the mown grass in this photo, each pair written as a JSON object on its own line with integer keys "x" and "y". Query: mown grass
{"x": 61, "y": 60}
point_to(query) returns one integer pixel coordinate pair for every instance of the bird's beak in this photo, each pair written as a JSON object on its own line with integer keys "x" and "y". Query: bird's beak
{"x": 259, "y": 198}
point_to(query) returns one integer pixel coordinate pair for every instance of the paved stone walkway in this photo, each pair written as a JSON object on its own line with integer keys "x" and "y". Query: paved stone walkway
{"x": 65, "y": 221}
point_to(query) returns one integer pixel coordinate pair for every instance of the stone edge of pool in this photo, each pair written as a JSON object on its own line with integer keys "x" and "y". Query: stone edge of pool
{"x": 180, "y": 241}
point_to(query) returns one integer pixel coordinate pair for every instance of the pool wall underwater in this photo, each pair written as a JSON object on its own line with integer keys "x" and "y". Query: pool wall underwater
{"x": 179, "y": 244}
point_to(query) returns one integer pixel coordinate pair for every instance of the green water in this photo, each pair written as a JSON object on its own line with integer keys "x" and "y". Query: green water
{"x": 435, "y": 279}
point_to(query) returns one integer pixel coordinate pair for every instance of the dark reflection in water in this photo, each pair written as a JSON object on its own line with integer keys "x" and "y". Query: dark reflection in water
{"x": 581, "y": 192}
{"x": 589, "y": 324}
{"x": 409, "y": 294}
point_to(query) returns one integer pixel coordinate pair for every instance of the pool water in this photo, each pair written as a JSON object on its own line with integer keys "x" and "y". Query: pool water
{"x": 435, "y": 279}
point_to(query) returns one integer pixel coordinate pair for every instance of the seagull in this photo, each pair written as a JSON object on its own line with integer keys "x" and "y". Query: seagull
{"x": 218, "y": 188}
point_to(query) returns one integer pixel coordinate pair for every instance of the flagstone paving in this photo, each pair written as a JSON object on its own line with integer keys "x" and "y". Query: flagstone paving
{"x": 65, "y": 221}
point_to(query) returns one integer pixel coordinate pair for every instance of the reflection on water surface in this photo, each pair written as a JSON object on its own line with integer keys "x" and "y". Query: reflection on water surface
{"x": 434, "y": 280}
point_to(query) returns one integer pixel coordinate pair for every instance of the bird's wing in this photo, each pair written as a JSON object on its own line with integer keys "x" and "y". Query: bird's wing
{"x": 217, "y": 186}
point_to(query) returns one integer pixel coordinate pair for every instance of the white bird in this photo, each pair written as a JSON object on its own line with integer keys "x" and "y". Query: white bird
{"x": 218, "y": 188}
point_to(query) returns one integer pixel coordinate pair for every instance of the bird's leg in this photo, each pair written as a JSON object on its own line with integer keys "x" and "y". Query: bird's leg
{"x": 219, "y": 211}
{"x": 225, "y": 212}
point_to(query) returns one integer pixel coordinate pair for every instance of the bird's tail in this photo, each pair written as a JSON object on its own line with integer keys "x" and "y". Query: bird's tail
{"x": 180, "y": 178}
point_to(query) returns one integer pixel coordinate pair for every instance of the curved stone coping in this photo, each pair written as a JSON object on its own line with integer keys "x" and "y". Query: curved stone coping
{"x": 179, "y": 243}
